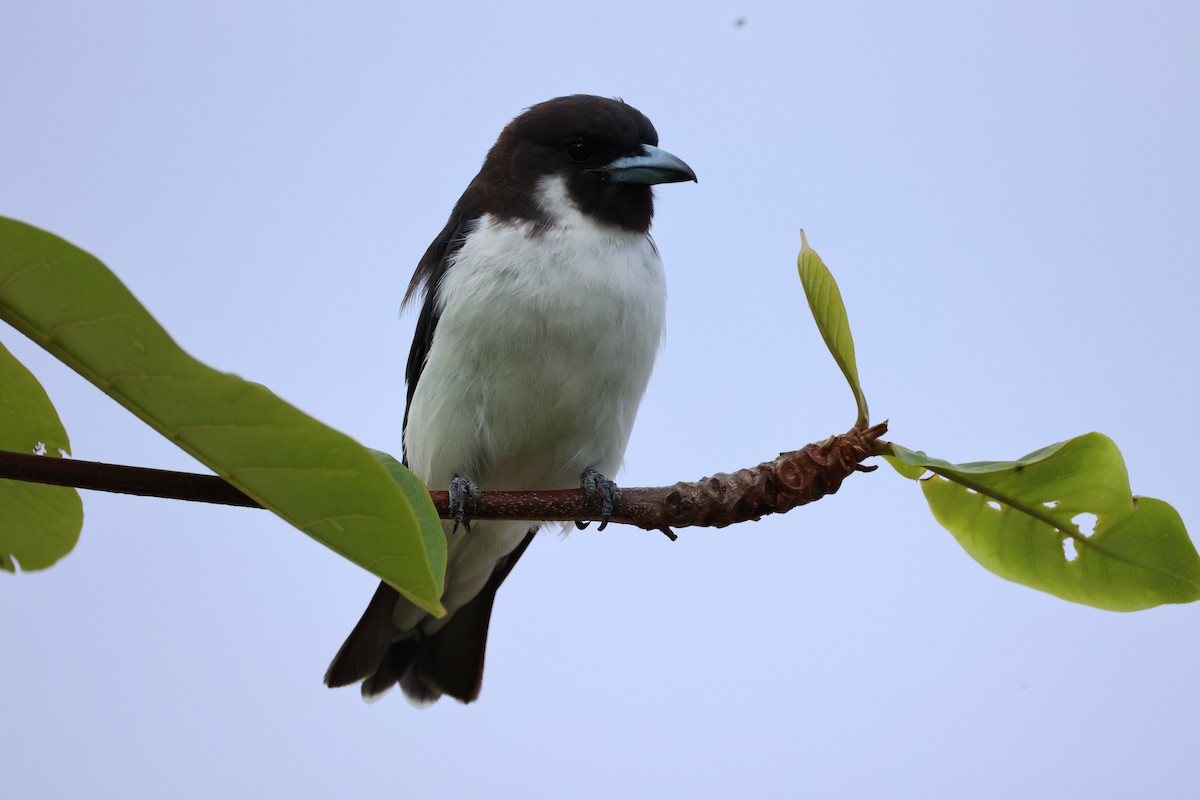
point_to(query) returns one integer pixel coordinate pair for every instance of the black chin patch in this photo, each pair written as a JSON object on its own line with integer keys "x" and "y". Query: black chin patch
{"x": 629, "y": 206}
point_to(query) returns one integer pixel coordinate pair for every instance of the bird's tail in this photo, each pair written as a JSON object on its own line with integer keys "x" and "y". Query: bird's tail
{"x": 448, "y": 661}
{"x": 368, "y": 643}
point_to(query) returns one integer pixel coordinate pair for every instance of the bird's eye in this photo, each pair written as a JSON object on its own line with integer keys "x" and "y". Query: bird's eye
{"x": 579, "y": 150}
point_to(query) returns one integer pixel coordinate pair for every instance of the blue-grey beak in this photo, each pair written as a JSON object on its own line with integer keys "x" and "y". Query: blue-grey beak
{"x": 654, "y": 165}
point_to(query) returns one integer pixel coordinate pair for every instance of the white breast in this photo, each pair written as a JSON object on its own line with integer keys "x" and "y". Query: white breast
{"x": 540, "y": 358}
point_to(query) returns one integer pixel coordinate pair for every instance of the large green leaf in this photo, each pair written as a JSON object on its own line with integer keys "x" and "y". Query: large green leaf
{"x": 1063, "y": 520}
{"x": 427, "y": 516}
{"x": 825, "y": 301}
{"x": 316, "y": 478}
{"x": 39, "y": 524}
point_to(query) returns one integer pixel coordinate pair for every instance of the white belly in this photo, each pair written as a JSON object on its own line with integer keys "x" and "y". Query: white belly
{"x": 539, "y": 361}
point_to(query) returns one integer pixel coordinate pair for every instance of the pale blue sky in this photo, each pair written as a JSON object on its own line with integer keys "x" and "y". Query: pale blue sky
{"x": 1009, "y": 195}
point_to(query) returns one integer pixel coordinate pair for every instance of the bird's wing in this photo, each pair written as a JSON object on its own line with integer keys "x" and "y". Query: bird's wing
{"x": 425, "y": 280}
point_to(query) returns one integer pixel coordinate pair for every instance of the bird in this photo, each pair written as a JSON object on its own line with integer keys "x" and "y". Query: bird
{"x": 543, "y": 305}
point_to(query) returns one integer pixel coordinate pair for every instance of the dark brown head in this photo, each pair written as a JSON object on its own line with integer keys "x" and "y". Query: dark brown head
{"x": 605, "y": 151}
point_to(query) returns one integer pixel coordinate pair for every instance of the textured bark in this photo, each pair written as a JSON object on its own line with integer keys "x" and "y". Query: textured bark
{"x": 773, "y": 487}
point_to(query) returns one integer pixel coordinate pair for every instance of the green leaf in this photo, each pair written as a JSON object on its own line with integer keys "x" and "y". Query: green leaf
{"x": 432, "y": 530}
{"x": 825, "y": 301}
{"x": 39, "y": 524}
{"x": 910, "y": 471}
{"x": 316, "y": 478}
{"x": 1064, "y": 520}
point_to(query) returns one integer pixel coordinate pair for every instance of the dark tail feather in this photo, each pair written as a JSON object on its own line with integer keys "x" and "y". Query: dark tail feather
{"x": 391, "y": 669}
{"x": 449, "y": 661}
{"x": 367, "y": 644}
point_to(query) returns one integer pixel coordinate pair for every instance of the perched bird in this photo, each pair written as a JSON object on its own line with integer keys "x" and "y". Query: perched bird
{"x": 543, "y": 309}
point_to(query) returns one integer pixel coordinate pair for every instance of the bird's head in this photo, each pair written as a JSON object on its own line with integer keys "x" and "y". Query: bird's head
{"x": 598, "y": 154}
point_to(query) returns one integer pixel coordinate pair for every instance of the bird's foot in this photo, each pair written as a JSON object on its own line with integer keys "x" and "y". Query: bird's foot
{"x": 610, "y": 495}
{"x": 460, "y": 489}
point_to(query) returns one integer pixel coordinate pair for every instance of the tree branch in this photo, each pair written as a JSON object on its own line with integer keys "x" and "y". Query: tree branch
{"x": 773, "y": 487}
{"x": 121, "y": 479}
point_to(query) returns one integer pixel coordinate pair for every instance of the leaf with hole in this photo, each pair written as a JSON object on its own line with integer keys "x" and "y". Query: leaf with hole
{"x": 316, "y": 478}
{"x": 1014, "y": 518}
{"x": 39, "y": 524}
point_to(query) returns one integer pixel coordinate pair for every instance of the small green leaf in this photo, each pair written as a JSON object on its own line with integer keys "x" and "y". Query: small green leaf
{"x": 1064, "y": 520}
{"x": 825, "y": 301}
{"x": 316, "y": 478}
{"x": 39, "y": 524}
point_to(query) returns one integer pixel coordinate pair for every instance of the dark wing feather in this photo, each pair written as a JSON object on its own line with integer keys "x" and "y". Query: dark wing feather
{"x": 425, "y": 280}
{"x": 364, "y": 651}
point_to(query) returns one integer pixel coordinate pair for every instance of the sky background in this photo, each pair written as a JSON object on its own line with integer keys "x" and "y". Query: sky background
{"x": 1009, "y": 196}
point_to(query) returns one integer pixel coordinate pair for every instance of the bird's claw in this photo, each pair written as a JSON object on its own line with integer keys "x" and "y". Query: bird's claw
{"x": 610, "y": 495}
{"x": 460, "y": 489}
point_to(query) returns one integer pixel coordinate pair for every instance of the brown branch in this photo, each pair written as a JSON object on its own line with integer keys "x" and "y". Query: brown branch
{"x": 773, "y": 487}
{"x": 121, "y": 479}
